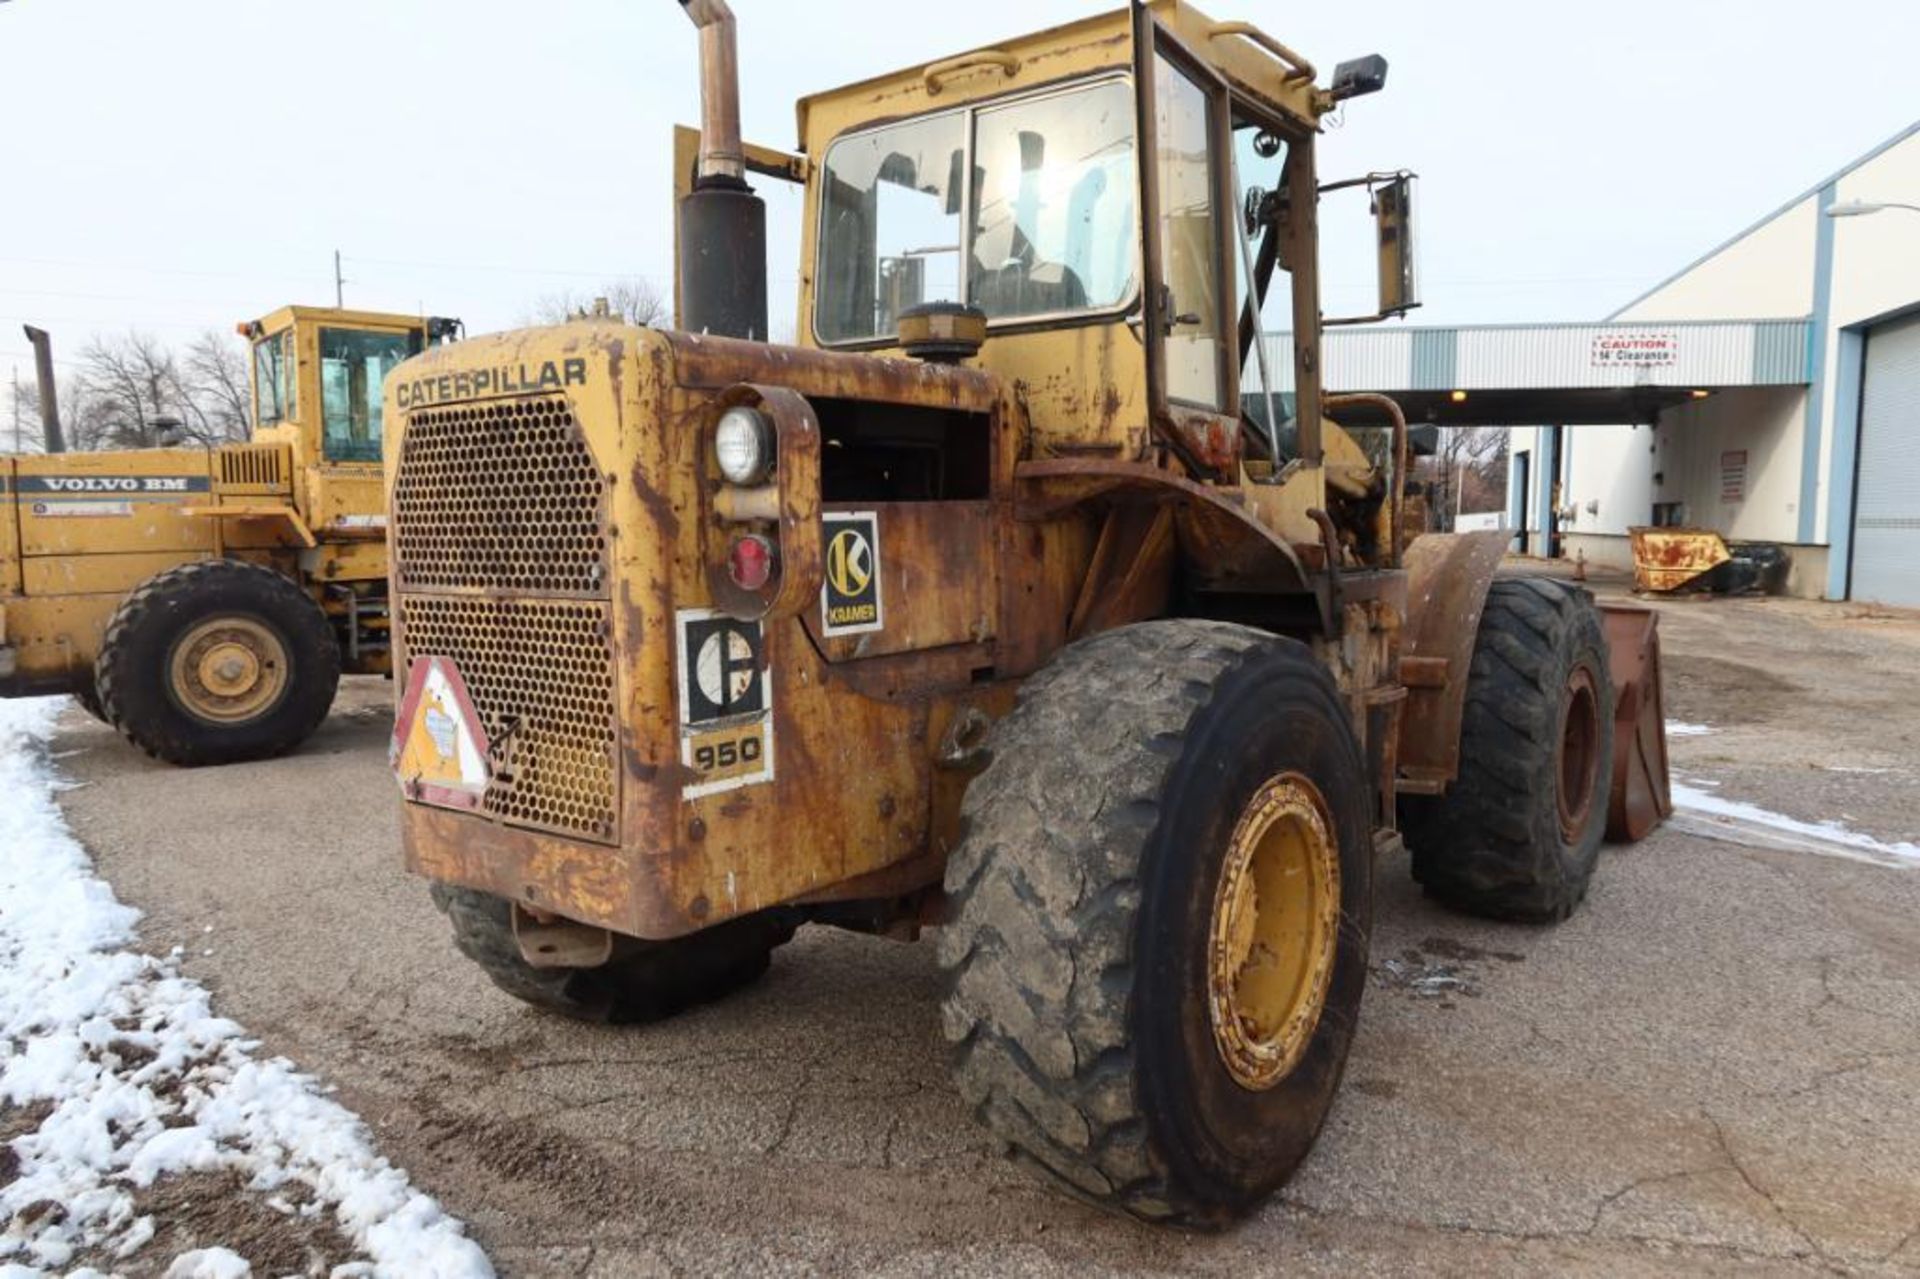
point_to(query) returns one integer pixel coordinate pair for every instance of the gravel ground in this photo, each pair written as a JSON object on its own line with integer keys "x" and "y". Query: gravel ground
{"x": 1714, "y": 1066}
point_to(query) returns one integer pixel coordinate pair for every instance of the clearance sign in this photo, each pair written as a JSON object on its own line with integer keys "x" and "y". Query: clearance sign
{"x": 1635, "y": 350}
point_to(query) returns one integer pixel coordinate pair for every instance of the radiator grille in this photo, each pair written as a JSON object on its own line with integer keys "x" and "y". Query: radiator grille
{"x": 501, "y": 496}
{"x": 541, "y": 676}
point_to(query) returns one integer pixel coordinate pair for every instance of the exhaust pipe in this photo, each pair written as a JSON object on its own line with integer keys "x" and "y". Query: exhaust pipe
{"x": 723, "y": 224}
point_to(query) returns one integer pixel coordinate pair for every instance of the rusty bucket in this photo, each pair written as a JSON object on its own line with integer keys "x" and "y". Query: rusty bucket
{"x": 1668, "y": 559}
{"x": 1640, "y": 797}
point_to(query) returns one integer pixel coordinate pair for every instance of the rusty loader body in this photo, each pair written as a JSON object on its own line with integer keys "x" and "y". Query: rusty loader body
{"x": 990, "y": 604}
{"x": 205, "y": 600}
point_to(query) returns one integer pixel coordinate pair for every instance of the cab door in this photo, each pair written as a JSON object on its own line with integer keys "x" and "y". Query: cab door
{"x": 1186, "y": 196}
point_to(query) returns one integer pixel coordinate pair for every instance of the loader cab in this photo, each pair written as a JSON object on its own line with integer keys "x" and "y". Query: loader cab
{"x": 318, "y": 376}
{"x": 1118, "y": 197}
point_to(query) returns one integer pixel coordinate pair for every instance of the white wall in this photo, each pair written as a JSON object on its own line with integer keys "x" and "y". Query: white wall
{"x": 1613, "y": 466}
{"x": 1765, "y": 422}
{"x": 1766, "y": 274}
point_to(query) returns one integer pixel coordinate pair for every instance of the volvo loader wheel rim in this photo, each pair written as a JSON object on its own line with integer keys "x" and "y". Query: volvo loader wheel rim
{"x": 1276, "y": 921}
{"x": 228, "y": 670}
{"x": 1579, "y": 748}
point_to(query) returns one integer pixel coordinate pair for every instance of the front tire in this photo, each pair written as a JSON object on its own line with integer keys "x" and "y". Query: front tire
{"x": 644, "y": 981}
{"x": 88, "y": 698}
{"x": 1127, "y": 1005}
{"x": 217, "y": 662}
{"x": 1518, "y": 833}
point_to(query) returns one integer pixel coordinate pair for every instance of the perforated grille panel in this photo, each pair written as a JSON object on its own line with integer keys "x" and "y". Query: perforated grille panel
{"x": 503, "y": 496}
{"x": 541, "y": 676}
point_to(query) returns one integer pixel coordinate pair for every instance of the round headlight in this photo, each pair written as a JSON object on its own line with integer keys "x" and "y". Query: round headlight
{"x": 743, "y": 445}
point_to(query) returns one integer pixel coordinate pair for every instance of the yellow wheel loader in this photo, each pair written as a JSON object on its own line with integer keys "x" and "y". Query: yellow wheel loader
{"x": 205, "y": 601}
{"x": 1012, "y": 599}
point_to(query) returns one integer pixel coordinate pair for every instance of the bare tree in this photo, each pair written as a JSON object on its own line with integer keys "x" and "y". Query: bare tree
{"x": 127, "y": 388}
{"x": 215, "y": 370}
{"x": 631, "y": 299}
{"x": 1467, "y": 471}
{"x": 23, "y": 433}
{"x": 133, "y": 381}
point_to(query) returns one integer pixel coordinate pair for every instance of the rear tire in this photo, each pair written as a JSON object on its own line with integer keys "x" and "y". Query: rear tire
{"x": 644, "y": 981}
{"x": 1518, "y": 833}
{"x": 217, "y": 662}
{"x": 1089, "y": 890}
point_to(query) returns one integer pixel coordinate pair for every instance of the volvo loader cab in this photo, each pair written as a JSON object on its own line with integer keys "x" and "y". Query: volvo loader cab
{"x": 206, "y": 600}
{"x": 988, "y": 605}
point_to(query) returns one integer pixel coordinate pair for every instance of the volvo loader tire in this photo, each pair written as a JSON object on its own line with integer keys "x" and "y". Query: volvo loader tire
{"x": 216, "y": 662}
{"x": 1517, "y": 834}
{"x": 1161, "y": 903}
{"x": 644, "y": 981}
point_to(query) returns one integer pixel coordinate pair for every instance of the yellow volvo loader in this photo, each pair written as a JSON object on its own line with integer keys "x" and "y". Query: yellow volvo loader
{"x": 994, "y": 603}
{"x": 205, "y": 601}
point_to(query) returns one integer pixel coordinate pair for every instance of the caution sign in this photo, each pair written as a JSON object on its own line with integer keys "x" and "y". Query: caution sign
{"x": 726, "y": 702}
{"x": 850, "y": 598}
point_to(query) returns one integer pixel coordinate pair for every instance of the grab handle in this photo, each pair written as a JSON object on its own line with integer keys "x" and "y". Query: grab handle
{"x": 937, "y": 71}
{"x": 1301, "y": 69}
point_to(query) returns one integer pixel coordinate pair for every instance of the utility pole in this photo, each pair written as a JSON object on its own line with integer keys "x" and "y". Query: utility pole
{"x": 49, "y": 397}
{"x": 339, "y": 283}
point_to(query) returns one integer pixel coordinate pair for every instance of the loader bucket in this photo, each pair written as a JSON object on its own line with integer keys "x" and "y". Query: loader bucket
{"x": 1669, "y": 559}
{"x": 1639, "y": 798}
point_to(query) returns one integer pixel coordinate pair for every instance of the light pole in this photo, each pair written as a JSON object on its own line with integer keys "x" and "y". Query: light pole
{"x": 1861, "y": 208}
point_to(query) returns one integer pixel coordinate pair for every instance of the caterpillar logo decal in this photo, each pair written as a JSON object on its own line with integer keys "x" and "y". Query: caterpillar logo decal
{"x": 726, "y": 702}
{"x": 850, "y": 599}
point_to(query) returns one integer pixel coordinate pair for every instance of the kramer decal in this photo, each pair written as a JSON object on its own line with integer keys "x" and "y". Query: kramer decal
{"x": 850, "y": 598}
{"x": 726, "y": 702}
{"x": 474, "y": 384}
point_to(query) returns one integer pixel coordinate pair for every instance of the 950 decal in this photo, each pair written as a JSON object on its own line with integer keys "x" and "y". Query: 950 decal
{"x": 726, "y": 702}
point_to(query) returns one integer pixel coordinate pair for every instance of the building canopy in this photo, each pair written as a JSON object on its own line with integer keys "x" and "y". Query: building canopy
{"x": 1548, "y": 374}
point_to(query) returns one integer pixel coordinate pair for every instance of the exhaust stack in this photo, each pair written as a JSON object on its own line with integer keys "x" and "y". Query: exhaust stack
{"x": 723, "y": 224}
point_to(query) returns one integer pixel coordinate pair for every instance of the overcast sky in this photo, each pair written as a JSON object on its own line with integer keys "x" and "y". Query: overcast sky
{"x": 176, "y": 165}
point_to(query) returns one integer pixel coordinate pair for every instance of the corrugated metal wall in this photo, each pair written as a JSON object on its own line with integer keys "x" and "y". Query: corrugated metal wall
{"x": 1513, "y": 357}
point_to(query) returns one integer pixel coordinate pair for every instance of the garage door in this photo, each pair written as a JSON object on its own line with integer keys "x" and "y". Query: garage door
{"x": 1886, "y": 519}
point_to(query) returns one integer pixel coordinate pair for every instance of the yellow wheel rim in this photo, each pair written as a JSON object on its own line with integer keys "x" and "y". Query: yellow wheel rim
{"x": 228, "y": 670}
{"x": 1276, "y": 924}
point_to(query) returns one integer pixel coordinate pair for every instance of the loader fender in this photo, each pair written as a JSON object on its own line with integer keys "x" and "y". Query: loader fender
{"x": 1221, "y": 545}
{"x": 1448, "y": 575}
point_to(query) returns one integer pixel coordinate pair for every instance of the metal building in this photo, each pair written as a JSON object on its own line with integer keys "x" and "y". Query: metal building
{"x": 1827, "y": 462}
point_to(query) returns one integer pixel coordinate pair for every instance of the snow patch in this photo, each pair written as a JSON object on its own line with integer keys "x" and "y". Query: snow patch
{"x": 1698, "y": 811}
{"x": 1680, "y": 728}
{"x": 144, "y": 1079}
{"x": 210, "y": 1263}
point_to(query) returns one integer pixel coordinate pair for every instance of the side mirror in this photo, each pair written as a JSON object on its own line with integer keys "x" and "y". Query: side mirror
{"x": 1393, "y": 220}
{"x": 1399, "y": 283}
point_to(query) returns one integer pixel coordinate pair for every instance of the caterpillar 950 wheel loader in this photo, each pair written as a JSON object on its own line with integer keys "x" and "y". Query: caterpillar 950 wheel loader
{"x": 994, "y": 604}
{"x": 206, "y": 600}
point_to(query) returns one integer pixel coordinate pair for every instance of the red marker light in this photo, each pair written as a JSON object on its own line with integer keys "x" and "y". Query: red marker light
{"x": 750, "y": 562}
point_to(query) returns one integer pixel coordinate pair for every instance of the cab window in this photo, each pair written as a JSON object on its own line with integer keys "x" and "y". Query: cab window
{"x": 1189, "y": 238}
{"x": 353, "y": 369}
{"x": 273, "y": 378}
{"x": 1046, "y": 185}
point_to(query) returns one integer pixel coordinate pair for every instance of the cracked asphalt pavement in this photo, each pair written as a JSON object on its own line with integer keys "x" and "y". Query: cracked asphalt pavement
{"x": 1714, "y": 1066}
